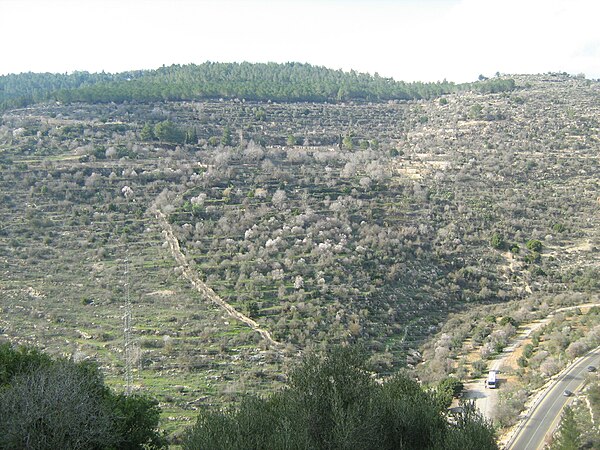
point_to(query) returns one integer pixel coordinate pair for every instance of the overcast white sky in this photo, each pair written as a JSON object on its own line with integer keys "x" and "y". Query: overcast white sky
{"x": 409, "y": 40}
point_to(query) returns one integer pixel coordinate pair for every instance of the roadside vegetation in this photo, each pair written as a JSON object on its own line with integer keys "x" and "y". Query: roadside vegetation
{"x": 462, "y": 353}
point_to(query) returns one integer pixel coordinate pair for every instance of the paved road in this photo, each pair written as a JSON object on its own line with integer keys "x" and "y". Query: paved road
{"x": 487, "y": 399}
{"x": 544, "y": 418}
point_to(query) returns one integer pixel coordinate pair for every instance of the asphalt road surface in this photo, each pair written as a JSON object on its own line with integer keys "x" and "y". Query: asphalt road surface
{"x": 544, "y": 418}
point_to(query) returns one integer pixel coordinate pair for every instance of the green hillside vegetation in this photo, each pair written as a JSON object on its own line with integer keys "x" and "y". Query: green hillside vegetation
{"x": 322, "y": 222}
{"x": 291, "y": 82}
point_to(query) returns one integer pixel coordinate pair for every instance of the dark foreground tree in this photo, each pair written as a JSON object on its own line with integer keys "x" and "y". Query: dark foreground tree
{"x": 333, "y": 402}
{"x": 52, "y": 404}
{"x": 55, "y": 406}
{"x": 448, "y": 389}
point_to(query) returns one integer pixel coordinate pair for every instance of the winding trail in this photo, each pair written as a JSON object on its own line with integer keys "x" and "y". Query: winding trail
{"x": 200, "y": 286}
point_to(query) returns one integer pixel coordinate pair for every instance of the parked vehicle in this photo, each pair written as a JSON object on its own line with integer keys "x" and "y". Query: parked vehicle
{"x": 491, "y": 382}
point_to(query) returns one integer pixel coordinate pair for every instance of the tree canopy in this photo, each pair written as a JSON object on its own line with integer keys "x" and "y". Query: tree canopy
{"x": 333, "y": 402}
{"x": 290, "y": 82}
{"x": 48, "y": 403}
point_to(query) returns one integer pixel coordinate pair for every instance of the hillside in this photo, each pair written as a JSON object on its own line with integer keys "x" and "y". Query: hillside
{"x": 321, "y": 222}
{"x": 290, "y": 82}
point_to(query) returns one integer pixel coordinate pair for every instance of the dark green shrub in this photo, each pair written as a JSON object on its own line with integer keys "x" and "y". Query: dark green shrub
{"x": 534, "y": 245}
{"x": 507, "y": 319}
{"x": 449, "y": 388}
{"x": 333, "y": 402}
{"x": 49, "y": 403}
{"x": 497, "y": 241}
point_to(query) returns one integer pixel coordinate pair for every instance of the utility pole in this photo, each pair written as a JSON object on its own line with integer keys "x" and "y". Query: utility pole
{"x": 129, "y": 351}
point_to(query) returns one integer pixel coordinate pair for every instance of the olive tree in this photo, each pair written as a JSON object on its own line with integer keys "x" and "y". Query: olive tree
{"x": 333, "y": 401}
{"x": 55, "y": 406}
{"x": 49, "y": 403}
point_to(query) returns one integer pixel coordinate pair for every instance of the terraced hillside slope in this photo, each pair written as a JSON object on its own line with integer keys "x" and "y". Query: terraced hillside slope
{"x": 319, "y": 222}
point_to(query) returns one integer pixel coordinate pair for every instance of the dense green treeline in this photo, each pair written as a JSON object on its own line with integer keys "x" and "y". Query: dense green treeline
{"x": 24, "y": 89}
{"x": 333, "y": 402}
{"x": 288, "y": 82}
